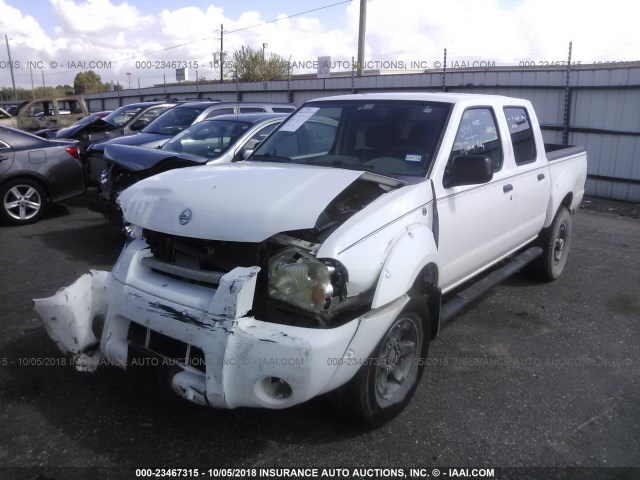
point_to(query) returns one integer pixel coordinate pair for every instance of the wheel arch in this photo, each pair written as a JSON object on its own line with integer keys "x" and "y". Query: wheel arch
{"x": 25, "y": 176}
{"x": 411, "y": 267}
{"x": 426, "y": 285}
{"x": 561, "y": 196}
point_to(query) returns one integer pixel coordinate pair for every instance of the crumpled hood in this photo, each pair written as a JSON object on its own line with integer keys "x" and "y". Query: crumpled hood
{"x": 137, "y": 159}
{"x": 247, "y": 202}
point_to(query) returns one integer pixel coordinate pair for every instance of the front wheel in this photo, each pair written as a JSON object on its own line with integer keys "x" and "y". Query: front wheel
{"x": 23, "y": 201}
{"x": 556, "y": 243}
{"x": 383, "y": 387}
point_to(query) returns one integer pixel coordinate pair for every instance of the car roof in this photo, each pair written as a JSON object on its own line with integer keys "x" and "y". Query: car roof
{"x": 417, "y": 96}
{"x": 249, "y": 117}
{"x": 197, "y": 104}
{"x": 148, "y": 104}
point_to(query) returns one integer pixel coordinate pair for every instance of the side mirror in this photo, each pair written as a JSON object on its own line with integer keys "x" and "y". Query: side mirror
{"x": 249, "y": 147}
{"x": 139, "y": 124}
{"x": 468, "y": 170}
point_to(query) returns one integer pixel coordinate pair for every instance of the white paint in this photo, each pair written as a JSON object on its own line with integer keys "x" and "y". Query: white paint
{"x": 246, "y": 202}
{"x": 68, "y": 315}
{"x": 234, "y": 296}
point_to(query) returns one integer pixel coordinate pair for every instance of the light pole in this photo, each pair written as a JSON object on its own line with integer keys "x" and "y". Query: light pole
{"x": 264, "y": 68}
{"x": 361, "y": 35}
{"x": 129, "y": 76}
{"x": 221, "y": 51}
{"x": 13, "y": 82}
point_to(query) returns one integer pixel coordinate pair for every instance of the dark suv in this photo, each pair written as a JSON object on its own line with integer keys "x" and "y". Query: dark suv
{"x": 173, "y": 121}
{"x": 125, "y": 120}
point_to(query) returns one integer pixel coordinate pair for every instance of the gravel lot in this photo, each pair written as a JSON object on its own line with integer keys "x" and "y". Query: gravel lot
{"x": 534, "y": 374}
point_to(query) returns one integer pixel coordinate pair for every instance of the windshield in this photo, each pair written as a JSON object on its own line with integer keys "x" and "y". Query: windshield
{"x": 174, "y": 120}
{"x": 381, "y": 136}
{"x": 208, "y": 139}
{"x": 121, "y": 115}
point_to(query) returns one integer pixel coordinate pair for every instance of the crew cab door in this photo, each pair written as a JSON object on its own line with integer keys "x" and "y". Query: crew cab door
{"x": 531, "y": 182}
{"x": 475, "y": 220}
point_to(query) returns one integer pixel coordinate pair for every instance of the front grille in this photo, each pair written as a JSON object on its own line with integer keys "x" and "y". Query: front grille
{"x": 205, "y": 255}
{"x": 175, "y": 351}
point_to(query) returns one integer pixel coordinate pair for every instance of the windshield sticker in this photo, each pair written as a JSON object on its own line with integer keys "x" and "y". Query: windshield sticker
{"x": 294, "y": 123}
{"x": 412, "y": 158}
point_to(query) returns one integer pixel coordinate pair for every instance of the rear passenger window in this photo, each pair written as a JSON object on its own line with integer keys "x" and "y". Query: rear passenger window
{"x": 252, "y": 109}
{"x": 524, "y": 146}
{"x": 478, "y": 135}
{"x": 66, "y": 107}
{"x": 220, "y": 111}
{"x": 152, "y": 114}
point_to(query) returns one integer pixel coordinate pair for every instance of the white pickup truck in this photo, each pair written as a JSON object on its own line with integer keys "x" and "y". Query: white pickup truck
{"x": 329, "y": 259}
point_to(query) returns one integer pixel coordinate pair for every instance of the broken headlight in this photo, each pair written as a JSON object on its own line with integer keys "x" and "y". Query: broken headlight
{"x": 104, "y": 178}
{"x": 298, "y": 278}
{"x": 132, "y": 232}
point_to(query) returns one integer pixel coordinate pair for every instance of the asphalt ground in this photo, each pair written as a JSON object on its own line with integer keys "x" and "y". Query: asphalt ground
{"x": 533, "y": 375}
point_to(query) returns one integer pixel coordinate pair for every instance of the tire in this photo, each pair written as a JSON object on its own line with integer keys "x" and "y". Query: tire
{"x": 556, "y": 243}
{"x": 385, "y": 384}
{"x": 23, "y": 201}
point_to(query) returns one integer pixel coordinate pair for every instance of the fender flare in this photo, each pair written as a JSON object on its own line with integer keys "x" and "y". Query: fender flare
{"x": 413, "y": 250}
{"x": 563, "y": 188}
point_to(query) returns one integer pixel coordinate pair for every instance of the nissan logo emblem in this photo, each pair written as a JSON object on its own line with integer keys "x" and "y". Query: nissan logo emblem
{"x": 185, "y": 217}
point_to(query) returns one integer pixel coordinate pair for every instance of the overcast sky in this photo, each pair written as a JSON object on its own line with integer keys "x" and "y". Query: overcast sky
{"x": 121, "y": 37}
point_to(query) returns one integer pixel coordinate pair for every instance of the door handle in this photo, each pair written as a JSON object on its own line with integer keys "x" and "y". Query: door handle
{"x": 540, "y": 177}
{"x": 507, "y": 188}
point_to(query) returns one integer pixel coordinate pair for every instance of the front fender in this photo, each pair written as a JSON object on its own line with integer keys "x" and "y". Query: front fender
{"x": 413, "y": 250}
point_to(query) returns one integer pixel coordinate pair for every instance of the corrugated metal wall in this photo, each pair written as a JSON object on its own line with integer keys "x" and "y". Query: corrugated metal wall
{"x": 603, "y": 109}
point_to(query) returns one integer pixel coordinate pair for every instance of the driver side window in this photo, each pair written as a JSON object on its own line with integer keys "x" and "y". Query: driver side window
{"x": 478, "y": 135}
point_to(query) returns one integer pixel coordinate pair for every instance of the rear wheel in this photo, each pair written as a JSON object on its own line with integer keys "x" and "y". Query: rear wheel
{"x": 23, "y": 201}
{"x": 556, "y": 243}
{"x": 383, "y": 387}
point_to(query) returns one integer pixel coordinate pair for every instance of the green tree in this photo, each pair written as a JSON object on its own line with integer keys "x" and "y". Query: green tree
{"x": 252, "y": 66}
{"x": 6, "y": 93}
{"x": 89, "y": 82}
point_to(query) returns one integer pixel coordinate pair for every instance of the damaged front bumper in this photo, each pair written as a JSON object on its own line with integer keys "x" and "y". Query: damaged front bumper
{"x": 200, "y": 340}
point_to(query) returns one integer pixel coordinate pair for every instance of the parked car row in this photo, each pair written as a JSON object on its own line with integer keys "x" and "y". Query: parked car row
{"x": 176, "y": 119}
{"x": 223, "y": 139}
{"x": 125, "y": 130}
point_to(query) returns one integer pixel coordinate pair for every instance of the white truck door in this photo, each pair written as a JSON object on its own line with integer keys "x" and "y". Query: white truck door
{"x": 532, "y": 182}
{"x": 475, "y": 220}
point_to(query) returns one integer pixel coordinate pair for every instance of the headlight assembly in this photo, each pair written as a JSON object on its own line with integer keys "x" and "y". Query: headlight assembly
{"x": 104, "y": 177}
{"x": 298, "y": 278}
{"x": 132, "y": 232}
